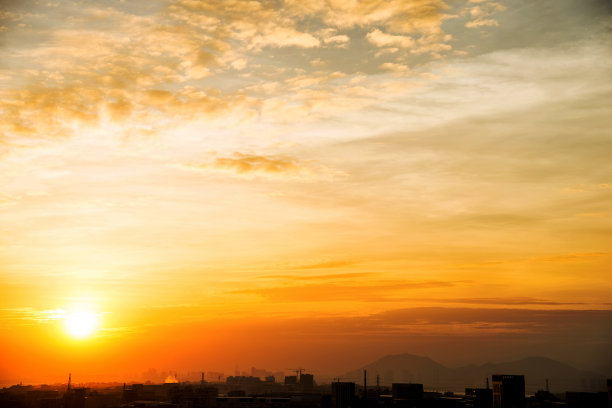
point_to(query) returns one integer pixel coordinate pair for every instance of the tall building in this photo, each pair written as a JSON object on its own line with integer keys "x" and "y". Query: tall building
{"x": 343, "y": 394}
{"x": 508, "y": 391}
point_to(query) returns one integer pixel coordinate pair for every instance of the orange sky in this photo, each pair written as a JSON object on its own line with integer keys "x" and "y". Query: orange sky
{"x": 313, "y": 182}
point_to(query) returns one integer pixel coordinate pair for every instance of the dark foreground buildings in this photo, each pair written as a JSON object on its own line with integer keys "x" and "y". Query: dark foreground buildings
{"x": 508, "y": 391}
{"x": 302, "y": 392}
{"x": 343, "y": 395}
{"x": 479, "y": 397}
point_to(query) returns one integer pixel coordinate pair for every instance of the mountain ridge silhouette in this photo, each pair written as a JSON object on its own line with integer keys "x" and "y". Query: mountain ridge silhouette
{"x": 408, "y": 367}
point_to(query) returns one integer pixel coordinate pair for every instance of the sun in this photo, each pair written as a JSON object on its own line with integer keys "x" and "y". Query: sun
{"x": 81, "y": 324}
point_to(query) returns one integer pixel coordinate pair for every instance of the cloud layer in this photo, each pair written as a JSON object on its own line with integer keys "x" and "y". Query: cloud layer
{"x": 313, "y": 169}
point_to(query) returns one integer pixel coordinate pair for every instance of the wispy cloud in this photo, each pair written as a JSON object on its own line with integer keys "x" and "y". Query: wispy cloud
{"x": 324, "y": 265}
{"x": 274, "y": 167}
{"x": 332, "y": 276}
{"x": 334, "y": 292}
{"x": 247, "y": 163}
{"x": 514, "y": 301}
{"x": 27, "y": 314}
{"x": 575, "y": 257}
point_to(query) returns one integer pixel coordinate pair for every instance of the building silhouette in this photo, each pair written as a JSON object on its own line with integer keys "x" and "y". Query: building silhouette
{"x": 508, "y": 391}
{"x": 586, "y": 399}
{"x": 343, "y": 394}
{"x": 291, "y": 380}
{"x": 480, "y": 397}
{"x": 406, "y": 391}
{"x": 307, "y": 381}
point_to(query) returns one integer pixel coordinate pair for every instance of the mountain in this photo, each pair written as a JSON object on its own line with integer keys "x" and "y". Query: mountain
{"x": 400, "y": 368}
{"x": 417, "y": 369}
{"x": 605, "y": 369}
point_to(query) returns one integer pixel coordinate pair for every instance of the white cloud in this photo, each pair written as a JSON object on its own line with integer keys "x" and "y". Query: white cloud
{"x": 380, "y": 39}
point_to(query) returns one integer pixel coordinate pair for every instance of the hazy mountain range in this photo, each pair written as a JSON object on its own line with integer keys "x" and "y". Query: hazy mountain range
{"x": 411, "y": 368}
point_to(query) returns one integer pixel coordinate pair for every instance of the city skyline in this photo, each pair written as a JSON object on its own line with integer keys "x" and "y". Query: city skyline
{"x": 244, "y": 392}
{"x": 310, "y": 183}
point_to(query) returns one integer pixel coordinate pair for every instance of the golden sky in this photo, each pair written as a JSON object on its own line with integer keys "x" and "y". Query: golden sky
{"x": 302, "y": 182}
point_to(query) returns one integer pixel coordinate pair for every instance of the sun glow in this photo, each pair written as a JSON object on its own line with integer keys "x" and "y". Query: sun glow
{"x": 81, "y": 324}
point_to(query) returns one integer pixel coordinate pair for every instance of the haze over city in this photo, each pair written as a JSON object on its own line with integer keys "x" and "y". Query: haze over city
{"x": 193, "y": 185}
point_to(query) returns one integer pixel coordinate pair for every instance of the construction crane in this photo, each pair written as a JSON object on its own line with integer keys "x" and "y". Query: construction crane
{"x": 298, "y": 371}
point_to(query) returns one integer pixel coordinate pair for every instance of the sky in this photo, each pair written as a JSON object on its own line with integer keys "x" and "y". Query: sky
{"x": 302, "y": 183}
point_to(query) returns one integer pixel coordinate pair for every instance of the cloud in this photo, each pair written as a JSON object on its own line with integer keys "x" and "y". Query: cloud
{"x": 424, "y": 16}
{"x": 395, "y": 67}
{"x": 337, "y": 39}
{"x": 433, "y": 44}
{"x": 106, "y": 64}
{"x": 254, "y": 24}
{"x": 582, "y": 188}
{"x": 481, "y": 13}
{"x": 573, "y": 257}
{"x": 330, "y": 36}
{"x": 273, "y": 167}
{"x": 526, "y": 319}
{"x": 43, "y": 112}
{"x": 324, "y": 265}
{"x": 173, "y": 71}
{"x": 333, "y": 276}
{"x": 380, "y": 39}
{"x": 381, "y": 291}
{"x": 284, "y": 37}
{"x": 508, "y": 301}
{"x": 249, "y": 163}
{"x": 9, "y": 199}
{"x": 482, "y": 22}
{"x": 28, "y": 314}
{"x": 521, "y": 330}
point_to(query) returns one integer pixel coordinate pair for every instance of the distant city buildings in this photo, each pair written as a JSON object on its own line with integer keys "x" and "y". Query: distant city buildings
{"x": 291, "y": 380}
{"x": 406, "y": 391}
{"x": 300, "y": 391}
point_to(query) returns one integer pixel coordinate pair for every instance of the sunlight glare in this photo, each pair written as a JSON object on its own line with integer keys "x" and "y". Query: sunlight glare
{"x": 81, "y": 324}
